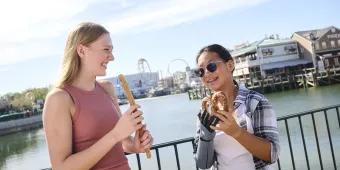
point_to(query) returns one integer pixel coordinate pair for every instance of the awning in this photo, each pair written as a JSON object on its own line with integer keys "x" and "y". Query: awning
{"x": 282, "y": 64}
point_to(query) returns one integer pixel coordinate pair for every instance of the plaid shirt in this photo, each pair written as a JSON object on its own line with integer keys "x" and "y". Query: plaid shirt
{"x": 264, "y": 125}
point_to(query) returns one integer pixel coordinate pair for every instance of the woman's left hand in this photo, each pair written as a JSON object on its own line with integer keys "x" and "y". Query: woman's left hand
{"x": 227, "y": 124}
{"x": 142, "y": 140}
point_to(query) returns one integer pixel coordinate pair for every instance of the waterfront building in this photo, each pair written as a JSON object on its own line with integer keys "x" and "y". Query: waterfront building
{"x": 279, "y": 56}
{"x": 246, "y": 61}
{"x": 268, "y": 57}
{"x": 322, "y": 46}
{"x": 139, "y": 83}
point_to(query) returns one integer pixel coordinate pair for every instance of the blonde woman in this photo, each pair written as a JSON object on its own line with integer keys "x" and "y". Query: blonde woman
{"x": 82, "y": 121}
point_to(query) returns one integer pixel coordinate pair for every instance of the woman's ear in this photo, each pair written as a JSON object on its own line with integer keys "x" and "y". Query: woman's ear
{"x": 231, "y": 65}
{"x": 81, "y": 50}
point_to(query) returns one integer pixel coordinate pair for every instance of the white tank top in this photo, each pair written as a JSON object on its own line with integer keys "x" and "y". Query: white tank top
{"x": 230, "y": 153}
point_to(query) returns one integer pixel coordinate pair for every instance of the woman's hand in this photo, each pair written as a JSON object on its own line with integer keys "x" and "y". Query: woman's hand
{"x": 227, "y": 124}
{"x": 142, "y": 140}
{"x": 128, "y": 123}
{"x": 207, "y": 120}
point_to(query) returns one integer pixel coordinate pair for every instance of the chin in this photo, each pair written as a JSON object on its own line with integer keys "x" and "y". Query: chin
{"x": 101, "y": 74}
{"x": 214, "y": 87}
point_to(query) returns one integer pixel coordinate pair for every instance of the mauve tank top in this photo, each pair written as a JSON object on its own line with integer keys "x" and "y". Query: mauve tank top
{"x": 95, "y": 115}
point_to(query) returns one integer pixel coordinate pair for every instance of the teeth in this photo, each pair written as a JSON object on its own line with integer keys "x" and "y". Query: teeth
{"x": 211, "y": 80}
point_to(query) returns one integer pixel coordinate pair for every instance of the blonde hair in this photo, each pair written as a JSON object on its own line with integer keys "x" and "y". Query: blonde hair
{"x": 85, "y": 33}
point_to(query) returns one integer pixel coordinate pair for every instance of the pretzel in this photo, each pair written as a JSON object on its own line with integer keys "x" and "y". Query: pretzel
{"x": 216, "y": 99}
{"x": 206, "y": 101}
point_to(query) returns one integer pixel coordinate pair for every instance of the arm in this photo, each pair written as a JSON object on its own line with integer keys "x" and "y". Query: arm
{"x": 204, "y": 152}
{"x": 264, "y": 143}
{"x": 58, "y": 125}
{"x": 57, "y": 121}
{"x": 130, "y": 144}
{"x": 265, "y": 127}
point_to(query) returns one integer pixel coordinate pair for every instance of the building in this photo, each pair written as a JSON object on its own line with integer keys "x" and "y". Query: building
{"x": 246, "y": 60}
{"x": 322, "y": 46}
{"x": 139, "y": 83}
{"x": 280, "y": 56}
{"x": 268, "y": 57}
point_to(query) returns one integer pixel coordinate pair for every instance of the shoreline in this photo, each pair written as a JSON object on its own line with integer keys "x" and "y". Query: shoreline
{"x": 19, "y": 125}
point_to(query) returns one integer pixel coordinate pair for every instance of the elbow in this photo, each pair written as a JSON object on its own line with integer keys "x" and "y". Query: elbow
{"x": 274, "y": 152}
{"x": 202, "y": 164}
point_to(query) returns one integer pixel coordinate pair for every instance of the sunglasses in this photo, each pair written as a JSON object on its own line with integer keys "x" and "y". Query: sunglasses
{"x": 211, "y": 67}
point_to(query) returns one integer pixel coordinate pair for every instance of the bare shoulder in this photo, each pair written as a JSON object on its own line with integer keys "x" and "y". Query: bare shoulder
{"x": 58, "y": 102}
{"x": 58, "y": 95}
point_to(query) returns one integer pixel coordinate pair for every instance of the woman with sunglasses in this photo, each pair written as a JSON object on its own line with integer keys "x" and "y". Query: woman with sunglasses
{"x": 245, "y": 137}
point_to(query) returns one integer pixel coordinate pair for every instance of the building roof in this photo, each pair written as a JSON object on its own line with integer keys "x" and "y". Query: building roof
{"x": 318, "y": 33}
{"x": 251, "y": 48}
{"x": 273, "y": 42}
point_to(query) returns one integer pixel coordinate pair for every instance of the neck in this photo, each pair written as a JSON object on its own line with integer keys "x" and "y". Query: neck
{"x": 230, "y": 91}
{"x": 85, "y": 81}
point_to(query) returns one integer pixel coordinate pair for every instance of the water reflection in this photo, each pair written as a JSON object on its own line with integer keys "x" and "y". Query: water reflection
{"x": 17, "y": 144}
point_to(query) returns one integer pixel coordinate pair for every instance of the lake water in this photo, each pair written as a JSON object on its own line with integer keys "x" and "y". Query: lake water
{"x": 174, "y": 117}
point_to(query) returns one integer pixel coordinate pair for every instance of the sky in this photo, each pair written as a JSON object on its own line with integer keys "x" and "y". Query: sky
{"x": 33, "y": 34}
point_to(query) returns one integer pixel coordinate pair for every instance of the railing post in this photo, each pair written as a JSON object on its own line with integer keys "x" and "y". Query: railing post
{"x": 177, "y": 159}
{"x": 330, "y": 139}
{"x": 278, "y": 164}
{"x": 337, "y": 113}
{"x": 317, "y": 141}
{"x": 138, "y": 162}
{"x": 290, "y": 144}
{"x": 304, "y": 143}
{"x": 158, "y": 160}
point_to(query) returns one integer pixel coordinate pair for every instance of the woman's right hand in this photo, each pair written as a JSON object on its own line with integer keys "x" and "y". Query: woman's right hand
{"x": 128, "y": 123}
{"x": 207, "y": 120}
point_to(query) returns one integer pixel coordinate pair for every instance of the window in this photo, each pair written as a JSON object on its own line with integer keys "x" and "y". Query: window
{"x": 243, "y": 59}
{"x": 323, "y": 45}
{"x": 336, "y": 61}
{"x": 252, "y": 56}
{"x": 267, "y": 51}
{"x": 338, "y": 43}
{"x": 290, "y": 49}
{"x": 317, "y": 45}
{"x": 332, "y": 44}
{"x": 326, "y": 63}
{"x": 237, "y": 60}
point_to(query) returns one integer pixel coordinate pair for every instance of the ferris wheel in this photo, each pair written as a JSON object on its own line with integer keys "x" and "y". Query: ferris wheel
{"x": 179, "y": 59}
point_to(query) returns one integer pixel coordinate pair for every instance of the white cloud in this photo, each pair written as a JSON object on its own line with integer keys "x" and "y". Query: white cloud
{"x": 29, "y": 28}
{"x": 169, "y": 13}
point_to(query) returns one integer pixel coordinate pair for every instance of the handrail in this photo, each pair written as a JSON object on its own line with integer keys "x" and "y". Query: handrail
{"x": 285, "y": 120}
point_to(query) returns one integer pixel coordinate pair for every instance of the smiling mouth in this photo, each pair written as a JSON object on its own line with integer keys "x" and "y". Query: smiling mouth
{"x": 104, "y": 65}
{"x": 212, "y": 80}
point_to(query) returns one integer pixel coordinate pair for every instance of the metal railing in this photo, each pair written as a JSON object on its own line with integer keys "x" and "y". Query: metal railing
{"x": 303, "y": 129}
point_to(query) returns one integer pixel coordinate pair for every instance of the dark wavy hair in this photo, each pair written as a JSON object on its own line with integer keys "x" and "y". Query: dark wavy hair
{"x": 222, "y": 52}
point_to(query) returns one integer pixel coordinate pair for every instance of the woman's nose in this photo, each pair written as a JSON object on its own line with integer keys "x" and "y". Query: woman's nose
{"x": 111, "y": 57}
